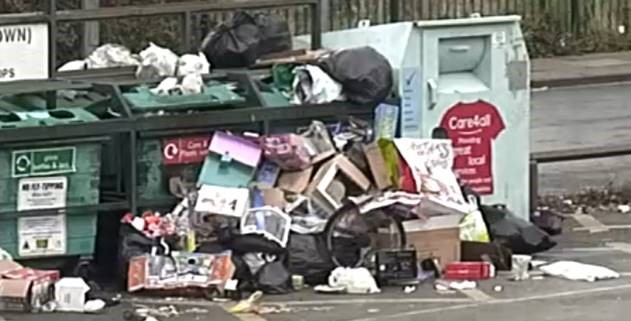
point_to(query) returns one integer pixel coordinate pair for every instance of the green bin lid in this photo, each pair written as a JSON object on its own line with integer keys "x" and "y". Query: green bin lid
{"x": 9, "y": 120}
{"x": 214, "y": 95}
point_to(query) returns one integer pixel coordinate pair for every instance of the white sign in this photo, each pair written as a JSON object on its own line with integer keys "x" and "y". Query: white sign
{"x": 411, "y": 99}
{"x": 23, "y": 52}
{"x": 42, "y": 193}
{"x": 431, "y": 162}
{"x": 221, "y": 200}
{"x": 42, "y": 235}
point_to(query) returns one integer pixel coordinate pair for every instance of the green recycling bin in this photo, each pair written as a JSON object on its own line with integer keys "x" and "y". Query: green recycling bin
{"x": 39, "y": 180}
{"x": 166, "y": 155}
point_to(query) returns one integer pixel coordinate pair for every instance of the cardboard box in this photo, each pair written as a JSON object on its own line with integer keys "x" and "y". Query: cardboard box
{"x": 326, "y": 191}
{"x": 181, "y": 270}
{"x": 24, "y": 289}
{"x": 231, "y": 161}
{"x": 295, "y": 182}
{"x": 70, "y": 294}
{"x": 437, "y": 237}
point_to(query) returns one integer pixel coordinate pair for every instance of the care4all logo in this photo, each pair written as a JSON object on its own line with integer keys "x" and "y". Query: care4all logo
{"x": 45, "y": 161}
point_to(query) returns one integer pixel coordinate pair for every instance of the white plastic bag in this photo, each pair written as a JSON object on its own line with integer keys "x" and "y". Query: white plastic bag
{"x": 193, "y": 64}
{"x": 578, "y": 271}
{"x": 166, "y": 87}
{"x": 110, "y": 56}
{"x": 192, "y": 84}
{"x": 314, "y": 86}
{"x": 472, "y": 226}
{"x": 157, "y": 61}
{"x": 74, "y": 65}
{"x": 4, "y": 255}
{"x": 353, "y": 280}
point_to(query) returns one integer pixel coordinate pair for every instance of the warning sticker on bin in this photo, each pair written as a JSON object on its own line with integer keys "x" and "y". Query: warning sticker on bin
{"x": 42, "y": 235}
{"x": 42, "y": 193}
{"x": 187, "y": 150}
{"x": 45, "y": 161}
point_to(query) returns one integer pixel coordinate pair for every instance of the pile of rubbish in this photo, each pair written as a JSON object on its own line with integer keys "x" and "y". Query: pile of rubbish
{"x": 255, "y": 216}
{"x": 31, "y": 290}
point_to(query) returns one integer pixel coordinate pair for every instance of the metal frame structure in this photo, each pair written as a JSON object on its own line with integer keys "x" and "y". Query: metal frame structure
{"x": 53, "y": 17}
{"x": 567, "y": 155}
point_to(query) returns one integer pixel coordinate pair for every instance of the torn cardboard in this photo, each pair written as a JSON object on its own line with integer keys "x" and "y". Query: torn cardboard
{"x": 377, "y": 165}
{"x": 24, "y": 289}
{"x": 326, "y": 191}
{"x": 274, "y": 197}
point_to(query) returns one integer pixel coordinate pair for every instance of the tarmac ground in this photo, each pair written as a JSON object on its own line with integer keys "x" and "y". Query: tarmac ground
{"x": 601, "y": 241}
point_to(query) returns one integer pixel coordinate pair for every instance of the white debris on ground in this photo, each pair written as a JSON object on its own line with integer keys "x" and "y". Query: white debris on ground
{"x": 576, "y": 271}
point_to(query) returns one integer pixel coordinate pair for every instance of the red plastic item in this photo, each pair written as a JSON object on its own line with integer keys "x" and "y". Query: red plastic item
{"x": 471, "y": 271}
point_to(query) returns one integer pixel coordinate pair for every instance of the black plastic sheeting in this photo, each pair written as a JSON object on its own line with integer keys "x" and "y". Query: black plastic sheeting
{"x": 519, "y": 235}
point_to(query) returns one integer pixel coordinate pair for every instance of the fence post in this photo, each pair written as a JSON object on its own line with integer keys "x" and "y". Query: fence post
{"x": 325, "y": 14}
{"x": 52, "y": 37}
{"x": 90, "y": 38}
{"x": 394, "y": 10}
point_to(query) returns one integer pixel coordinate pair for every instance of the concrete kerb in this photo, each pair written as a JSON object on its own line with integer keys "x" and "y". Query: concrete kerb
{"x": 574, "y": 81}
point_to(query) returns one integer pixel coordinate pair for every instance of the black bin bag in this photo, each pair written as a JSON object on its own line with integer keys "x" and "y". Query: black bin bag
{"x": 240, "y": 41}
{"x": 309, "y": 257}
{"x": 365, "y": 74}
{"x": 519, "y": 235}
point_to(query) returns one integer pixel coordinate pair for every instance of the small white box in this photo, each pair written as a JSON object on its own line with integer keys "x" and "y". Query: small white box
{"x": 70, "y": 294}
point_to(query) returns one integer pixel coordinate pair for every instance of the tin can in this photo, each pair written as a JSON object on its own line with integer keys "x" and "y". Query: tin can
{"x": 297, "y": 282}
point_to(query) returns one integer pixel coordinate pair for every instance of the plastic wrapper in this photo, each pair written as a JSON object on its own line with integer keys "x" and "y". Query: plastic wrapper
{"x": 314, "y": 86}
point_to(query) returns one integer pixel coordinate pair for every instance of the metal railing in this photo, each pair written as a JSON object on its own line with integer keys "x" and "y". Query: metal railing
{"x": 574, "y": 154}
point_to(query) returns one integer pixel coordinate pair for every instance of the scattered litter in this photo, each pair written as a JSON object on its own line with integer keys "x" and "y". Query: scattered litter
{"x": 537, "y": 263}
{"x": 520, "y": 267}
{"x": 4, "y": 255}
{"x": 353, "y": 281}
{"x": 94, "y": 306}
{"x": 537, "y": 278}
{"x": 409, "y": 289}
{"x": 578, "y": 271}
{"x": 624, "y": 208}
{"x": 248, "y": 305}
{"x": 463, "y": 285}
{"x": 297, "y": 282}
{"x": 373, "y": 310}
{"x": 498, "y": 288}
{"x": 277, "y": 308}
{"x": 145, "y": 313}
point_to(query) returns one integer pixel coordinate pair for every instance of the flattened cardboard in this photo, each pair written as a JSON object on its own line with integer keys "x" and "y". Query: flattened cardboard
{"x": 377, "y": 165}
{"x": 295, "y": 182}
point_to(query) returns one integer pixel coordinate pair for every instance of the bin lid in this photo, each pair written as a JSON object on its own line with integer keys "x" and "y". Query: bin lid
{"x": 141, "y": 99}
